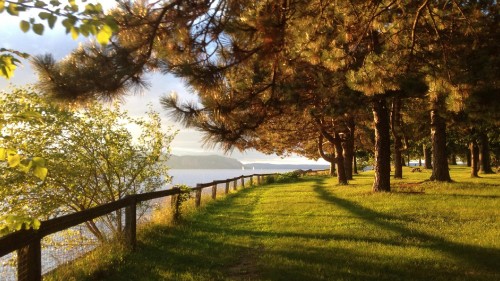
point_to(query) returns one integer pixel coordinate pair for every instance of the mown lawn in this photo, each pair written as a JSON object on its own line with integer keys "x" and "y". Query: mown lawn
{"x": 316, "y": 230}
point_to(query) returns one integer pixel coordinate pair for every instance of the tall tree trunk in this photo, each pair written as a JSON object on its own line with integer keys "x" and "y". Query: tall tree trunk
{"x": 398, "y": 143}
{"x": 453, "y": 159}
{"x": 333, "y": 172}
{"x": 349, "y": 147}
{"x": 339, "y": 159}
{"x": 327, "y": 157}
{"x": 420, "y": 161}
{"x": 339, "y": 154}
{"x": 485, "y": 154}
{"x": 409, "y": 159}
{"x": 382, "y": 167}
{"x": 440, "y": 171}
{"x": 474, "y": 151}
{"x": 427, "y": 157}
{"x": 469, "y": 158}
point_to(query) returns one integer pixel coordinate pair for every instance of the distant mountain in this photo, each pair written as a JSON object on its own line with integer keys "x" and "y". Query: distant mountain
{"x": 266, "y": 166}
{"x": 203, "y": 162}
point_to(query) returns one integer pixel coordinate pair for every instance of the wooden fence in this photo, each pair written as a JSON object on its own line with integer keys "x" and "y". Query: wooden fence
{"x": 27, "y": 243}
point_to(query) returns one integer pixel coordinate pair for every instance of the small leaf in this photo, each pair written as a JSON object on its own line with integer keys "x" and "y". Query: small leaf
{"x": 12, "y": 9}
{"x": 7, "y": 66}
{"x": 52, "y": 21}
{"x": 104, "y": 35}
{"x": 2, "y": 5}
{"x": 38, "y": 161}
{"x": 13, "y": 159}
{"x": 44, "y": 15}
{"x": 38, "y": 28}
{"x": 40, "y": 4}
{"x": 40, "y": 172}
{"x": 36, "y": 224}
{"x": 25, "y": 26}
{"x": 3, "y": 154}
{"x": 74, "y": 33}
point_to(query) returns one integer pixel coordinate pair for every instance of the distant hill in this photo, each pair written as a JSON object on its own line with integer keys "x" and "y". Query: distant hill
{"x": 220, "y": 162}
{"x": 203, "y": 162}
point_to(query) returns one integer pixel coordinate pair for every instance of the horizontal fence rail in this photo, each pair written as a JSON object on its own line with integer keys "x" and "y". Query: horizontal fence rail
{"x": 27, "y": 243}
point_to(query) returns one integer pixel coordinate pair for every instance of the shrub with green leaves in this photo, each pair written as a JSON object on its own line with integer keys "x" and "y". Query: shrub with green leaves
{"x": 91, "y": 157}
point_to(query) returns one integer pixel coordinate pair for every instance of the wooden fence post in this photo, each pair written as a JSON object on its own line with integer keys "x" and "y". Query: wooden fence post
{"x": 174, "y": 205}
{"x": 29, "y": 262}
{"x": 258, "y": 180}
{"x": 235, "y": 184}
{"x": 242, "y": 181}
{"x": 226, "y": 191}
{"x": 214, "y": 191}
{"x": 197, "y": 199}
{"x": 251, "y": 180}
{"x": 131, "y": 224}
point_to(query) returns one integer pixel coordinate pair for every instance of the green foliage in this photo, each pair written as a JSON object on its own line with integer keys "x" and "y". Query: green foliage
{"x": 11, "y": 223}
{"x": 87, "y": 157}
{"x": 87, "y": 21}
{"x": 284, "y": 177}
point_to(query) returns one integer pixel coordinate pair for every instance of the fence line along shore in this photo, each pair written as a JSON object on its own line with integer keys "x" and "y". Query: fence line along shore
{"x": 27, "y": 243}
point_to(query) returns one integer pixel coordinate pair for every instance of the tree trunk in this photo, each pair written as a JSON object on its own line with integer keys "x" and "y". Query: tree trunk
{"x": 440, "y": 171}
{"x": 453, "y": 159}
{"x": 474, "y": 151}
{"x": 333, "y": 172}
{"x": 485, "y": 154}
{"x": 382, "y": 167}
{"x": 349, "y": 148}
{"x": 327, "y": 157}
{"x": 420, "y": 161}
{"x": 398, "y": 143}
{"x": 427, "y": 157}
{"x": 339, "y": 154}
{"x": 339, "y": 158}
{"x": 409, "y": 159}
{"x": 468, "y": 155}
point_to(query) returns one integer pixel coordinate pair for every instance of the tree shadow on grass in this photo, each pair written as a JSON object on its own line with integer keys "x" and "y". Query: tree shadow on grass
{"x": 481, "y": 258}
{"x": 218, "y": 243}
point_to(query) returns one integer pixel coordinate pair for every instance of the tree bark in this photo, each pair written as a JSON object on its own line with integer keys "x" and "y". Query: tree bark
{"x": 333, "y": 172}
{"x": 398, "y": 143}
{"x": 427, "y": 157}
{"x": 349, "y": 148}
{"x": 382, "y": 167}
{"x": 339, "y": 154}
{"x": 474, "y": 151}
{"x": 339, "y": 158}
{"x": 469, "y": 158}
{"x": 327, "y": 157}
{"x": 453, "y": 159}
{"x": 440, "y": 171}
{"x": 485, "y": 154}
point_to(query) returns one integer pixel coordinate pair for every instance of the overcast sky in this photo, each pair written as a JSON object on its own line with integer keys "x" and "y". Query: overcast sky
{"x": 56, "y": 42}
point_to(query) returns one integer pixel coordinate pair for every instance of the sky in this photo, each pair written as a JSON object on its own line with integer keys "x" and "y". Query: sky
{"x": 59, "y": 44}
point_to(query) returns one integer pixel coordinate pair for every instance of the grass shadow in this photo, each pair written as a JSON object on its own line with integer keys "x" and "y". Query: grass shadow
{"x": 475, "y": 256}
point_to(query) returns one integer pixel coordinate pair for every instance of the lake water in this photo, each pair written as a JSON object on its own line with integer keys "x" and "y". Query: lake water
{"x": 193, "y": 177}
{"x": 180, "y": 176}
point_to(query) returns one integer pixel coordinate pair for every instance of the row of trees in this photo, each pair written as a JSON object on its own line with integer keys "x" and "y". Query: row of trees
{"x": 89, "y": 155}
{"x": 306, "y": 76}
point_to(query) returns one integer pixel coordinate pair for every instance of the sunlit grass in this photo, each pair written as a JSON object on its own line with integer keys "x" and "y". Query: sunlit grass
{"x": 316, "y": 230}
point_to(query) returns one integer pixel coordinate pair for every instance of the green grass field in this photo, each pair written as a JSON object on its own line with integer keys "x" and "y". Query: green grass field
{"x": 316, "y": 230}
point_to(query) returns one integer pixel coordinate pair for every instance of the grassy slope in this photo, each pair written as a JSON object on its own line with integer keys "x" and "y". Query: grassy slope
{"x": 315, "y": 230}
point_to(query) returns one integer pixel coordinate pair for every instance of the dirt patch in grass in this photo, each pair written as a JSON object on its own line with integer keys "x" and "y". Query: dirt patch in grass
{"x": 246, "y": 267}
